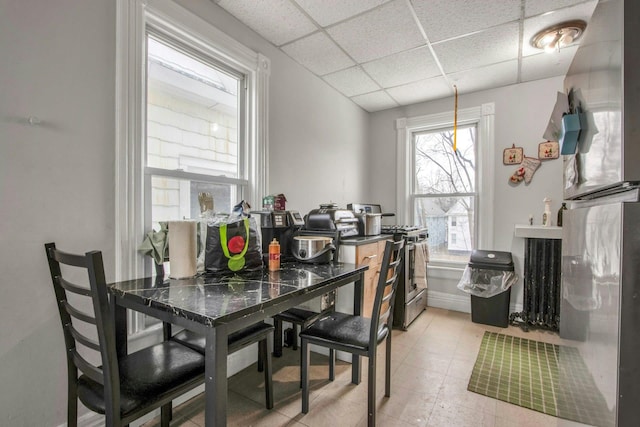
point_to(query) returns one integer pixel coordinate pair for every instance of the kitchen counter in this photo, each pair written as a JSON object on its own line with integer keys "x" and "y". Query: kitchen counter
{"x": 363, "y": 240}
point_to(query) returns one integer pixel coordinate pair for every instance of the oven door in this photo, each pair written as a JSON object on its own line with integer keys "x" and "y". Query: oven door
{"x": 415, "y": 283}
{"x": 411, "y": 287}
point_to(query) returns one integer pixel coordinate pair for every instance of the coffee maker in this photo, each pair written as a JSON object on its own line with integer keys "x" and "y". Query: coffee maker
{"x": 279, "y": 225}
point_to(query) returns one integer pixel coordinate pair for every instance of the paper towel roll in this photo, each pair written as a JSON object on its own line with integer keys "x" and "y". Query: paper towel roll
{"x": 182, "y": 249}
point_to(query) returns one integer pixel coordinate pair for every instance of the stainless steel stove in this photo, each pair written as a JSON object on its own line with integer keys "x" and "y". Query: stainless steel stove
{"x": 411, "y": 295}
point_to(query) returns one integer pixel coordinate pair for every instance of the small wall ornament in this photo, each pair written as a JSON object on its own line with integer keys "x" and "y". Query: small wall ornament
{"x": 526, "y": 171}
{"x": 513, "y": 155}
{"x": 548, "y": 150}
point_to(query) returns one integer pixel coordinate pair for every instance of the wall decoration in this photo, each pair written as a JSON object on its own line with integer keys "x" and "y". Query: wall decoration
{"x": 548, "y": 150}
{"x": 526, "y": 171}
{"x": 512, "y": 156}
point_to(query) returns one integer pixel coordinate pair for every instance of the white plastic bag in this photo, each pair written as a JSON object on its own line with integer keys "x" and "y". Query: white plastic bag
{"x": 486, "y": 283}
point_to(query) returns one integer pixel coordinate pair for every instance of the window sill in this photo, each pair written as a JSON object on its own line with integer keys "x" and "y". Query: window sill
{"x": 445, "y": 270}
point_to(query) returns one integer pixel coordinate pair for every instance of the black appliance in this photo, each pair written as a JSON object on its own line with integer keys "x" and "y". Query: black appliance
{"x": 328, "y": 218}
{"x": 411, "y": 295}
{"x": 279, "y": 225}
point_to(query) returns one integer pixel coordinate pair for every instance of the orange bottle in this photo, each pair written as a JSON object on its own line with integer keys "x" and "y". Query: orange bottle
{"x": 274, "y": 255}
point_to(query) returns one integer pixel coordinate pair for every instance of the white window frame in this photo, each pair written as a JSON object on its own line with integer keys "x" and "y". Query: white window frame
{"x": 133, "y": 17}
{"x": 483, "y": 118}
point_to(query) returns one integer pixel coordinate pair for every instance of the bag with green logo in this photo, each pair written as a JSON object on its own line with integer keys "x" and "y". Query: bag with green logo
{"x": 233, "y": 245}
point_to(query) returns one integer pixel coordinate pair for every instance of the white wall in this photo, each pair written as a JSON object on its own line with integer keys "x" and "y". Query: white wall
{"x": 319, "y": 139}
{"x": 56, "y": 183}
{"x": 521, "y": 116}
{"x": 57, "y": 178}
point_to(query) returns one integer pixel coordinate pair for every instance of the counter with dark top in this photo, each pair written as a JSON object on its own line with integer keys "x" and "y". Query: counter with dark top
{"x": 363, "y": 240}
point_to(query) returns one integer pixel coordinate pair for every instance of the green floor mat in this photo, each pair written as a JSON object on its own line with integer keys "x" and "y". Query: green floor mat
{"x": 544, "y": 377}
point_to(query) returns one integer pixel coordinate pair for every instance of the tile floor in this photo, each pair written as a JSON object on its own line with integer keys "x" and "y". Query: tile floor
{"x": 431, "y": 365}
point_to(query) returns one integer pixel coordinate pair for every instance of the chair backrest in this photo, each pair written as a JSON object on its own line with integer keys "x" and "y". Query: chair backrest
{"x": 85, "y": 314}
{"x": 382, "y": 315}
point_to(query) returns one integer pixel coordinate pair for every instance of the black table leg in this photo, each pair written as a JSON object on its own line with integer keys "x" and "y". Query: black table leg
{"x": 358, "y": 301}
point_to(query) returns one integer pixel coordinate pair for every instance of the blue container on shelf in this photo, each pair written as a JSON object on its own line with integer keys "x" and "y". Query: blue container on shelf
{"x": 570, "y": 133}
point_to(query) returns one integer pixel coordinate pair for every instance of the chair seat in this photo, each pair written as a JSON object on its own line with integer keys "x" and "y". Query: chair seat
{"x": 344, "y": 329}
{"x": 236, "y": 340}
{"x": 146, "y": 376}
{"x": 256, "y": 333}
{"x": 298, "y": 315}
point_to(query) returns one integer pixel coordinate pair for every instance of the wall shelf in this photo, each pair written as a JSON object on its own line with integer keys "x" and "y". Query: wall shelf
{"x": 538, "y": 232}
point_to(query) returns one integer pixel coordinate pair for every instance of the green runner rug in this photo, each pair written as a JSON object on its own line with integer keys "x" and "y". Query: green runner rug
{"x": 548, "y": 378}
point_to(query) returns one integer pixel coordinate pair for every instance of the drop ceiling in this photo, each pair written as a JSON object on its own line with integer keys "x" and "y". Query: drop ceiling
{"x": 388, "y": 53}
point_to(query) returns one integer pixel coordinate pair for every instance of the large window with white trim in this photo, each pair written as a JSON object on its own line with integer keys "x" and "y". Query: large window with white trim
{"x": 445, "y": 181}
{"x": 191, "y": 118}
{"x": 444, "y": 190}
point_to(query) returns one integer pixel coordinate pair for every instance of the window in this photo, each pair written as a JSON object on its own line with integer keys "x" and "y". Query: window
{"x": 448, "y": 192}
{"x": 194, "y": 138}
{"x": 191, "y": 117}
{"x": 444, "y": 190}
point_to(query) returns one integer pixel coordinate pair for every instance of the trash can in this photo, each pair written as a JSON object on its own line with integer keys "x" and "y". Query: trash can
{"x": 488, "y": 279}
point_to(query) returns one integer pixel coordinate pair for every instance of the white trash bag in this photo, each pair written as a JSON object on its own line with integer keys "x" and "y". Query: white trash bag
{"x": 486, "y": 283}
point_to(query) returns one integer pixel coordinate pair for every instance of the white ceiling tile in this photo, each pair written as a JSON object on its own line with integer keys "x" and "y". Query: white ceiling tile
{"x": 495, "y": 45}
{"x": 492, "y": 76}
{"x": 374, "y": 51}
{"x": 402, "y": 68}
{"x": 443, "y": 19}
{"x": 352, "y": 81}
{"x": 421, "y": 91}
{"x": 533, "y": 25}
{"x": 545, "y": 65}
{"x": 536, "y": 7}
{"x": 278, "y": 21}
{"x": 327, "y": 12}
{"x": 318, "y": 53}
{"x": 375, "y": 101}
{"x": 378, "y": 33}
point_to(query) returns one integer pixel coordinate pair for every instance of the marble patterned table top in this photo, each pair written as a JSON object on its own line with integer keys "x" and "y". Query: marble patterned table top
{"x": 217, "y": 299}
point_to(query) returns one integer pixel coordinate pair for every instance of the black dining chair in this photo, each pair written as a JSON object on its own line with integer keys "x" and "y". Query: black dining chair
{"x": 123, "y": 388}
{"x": 300, "y": 318}
{"x": 258, "y": 332}
{"x": 358, "y": 335}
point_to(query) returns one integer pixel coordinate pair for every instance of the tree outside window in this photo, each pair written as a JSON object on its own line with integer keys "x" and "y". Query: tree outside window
{"x": 445, "y": 195}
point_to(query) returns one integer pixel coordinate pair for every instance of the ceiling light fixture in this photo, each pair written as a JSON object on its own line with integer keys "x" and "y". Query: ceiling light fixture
{"x": 558, "y": 36}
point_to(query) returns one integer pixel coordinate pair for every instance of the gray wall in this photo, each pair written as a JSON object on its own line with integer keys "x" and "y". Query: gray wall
{"x": 521, "y": 115}
{"x": 57, "y": 178}
{"x": 56, "y": 183}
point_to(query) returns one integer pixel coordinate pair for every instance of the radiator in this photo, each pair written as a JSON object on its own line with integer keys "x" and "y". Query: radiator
{"x": 541, "y": 297}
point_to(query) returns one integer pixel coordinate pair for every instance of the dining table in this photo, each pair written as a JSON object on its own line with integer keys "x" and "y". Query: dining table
{"x": 217, "y": 305}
